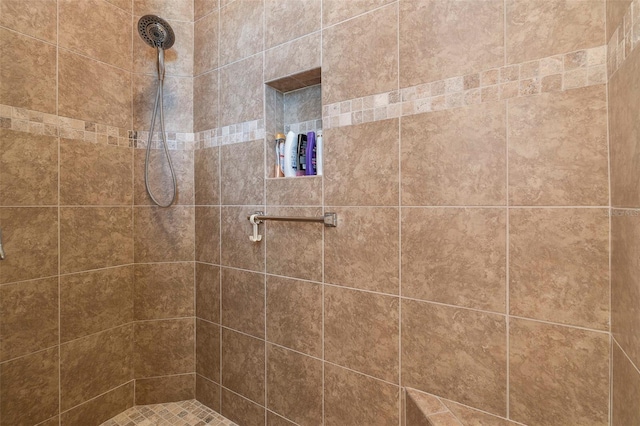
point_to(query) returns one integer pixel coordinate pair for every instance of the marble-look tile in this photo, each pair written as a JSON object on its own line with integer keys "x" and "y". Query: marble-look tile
{"x": 95, "y": 364}
{"x": 206, "y": 176}
{"x": 361, "y": 331}
{"x": 334, "y": 11}
{"x": 83, "y": 29}
{"x": 28, "y": 317}
{"x": 421, "y": 404}
{"x": 202, "y": 8}
{"x": 28, "y": 169}
{"x": 178, "y": 59}
{"x": 369, "y": 247}
{"x": 205, "y": 48}
{"x": 242, "y": 173}
{"x": 241, "y": 30}
{"x": 36, "y": 18}
{"x": 95, "y": 301}
{"x": 237, "y": 250}
{"x": 160, "y": 179}
{"x": 177, "y": 102}
{"x": 349, "y": 396}
{"x": 537, "y": 30}
{"x": 101, "y": 408}
{"x": 298, "y": 400}
{"x": 455, "y": 256}
{"x": 371, "y": 43}
{"x": 615, "y": 10}
{"x": 558, "y": 375}
{"x": 294, "y": 249}
{"x": 93, "y": 91}
{"x": 433, "y": 46}
{"x": 243, "y": 295}
{"x": 126, "y": 5}
{"x": 275, "y": 420}
{"x": 164, "y": 235}
{"x": 304, "y": 191}
{"x": 92, "y": 174}
{"x": 208, "y": 234}
{"x": 455, "y": 157}
{"x": 360, "y": 173}
{"x": 240, "y": 410}
{"x": 243, "y": 366}
{"x": 165, "y": 389}
{"x": 164, "y": 290}
{"x": 303, "y": 105}
{"x": 30, "y": 240}
{"x": 164, "y": 347}
{"x": 303, "y": 16}
{"x": 89, "y": 237}
{"x": 625, "y": 409}
{"x": 208, "y": 292}
{"x": 208, "y": 350}
{"x": 241, "y": 91}
{"x": 28, "y": 80}
{"x": 205, "y": 101}
{"x": 559, "y": 266}
{"x": 294, "y": 314}
{"x": 568, "y": 163}
{"x": 293, "y": 57}
{"x": 29, "y": 388}
{"x": 461, "y": 355}
{"x": 208, "y": 393}
{"x": 471, "y": 417}
{"x": 168, "y": 9}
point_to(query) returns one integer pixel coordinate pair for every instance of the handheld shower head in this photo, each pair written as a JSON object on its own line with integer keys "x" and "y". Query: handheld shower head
{"x": 156, "y": 32}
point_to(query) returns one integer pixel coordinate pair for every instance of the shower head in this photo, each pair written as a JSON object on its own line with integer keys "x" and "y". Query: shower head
{"x": 156, "y": 31}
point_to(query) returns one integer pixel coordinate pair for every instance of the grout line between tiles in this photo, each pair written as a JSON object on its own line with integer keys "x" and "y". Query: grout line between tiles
{"x": 636, "y": 367}
{"x": 96, "y": 397}
{"x": 507, "y": 254}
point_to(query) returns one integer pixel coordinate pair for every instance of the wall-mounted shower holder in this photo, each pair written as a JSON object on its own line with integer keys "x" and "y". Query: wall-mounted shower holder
{"x": 330, "y": 220}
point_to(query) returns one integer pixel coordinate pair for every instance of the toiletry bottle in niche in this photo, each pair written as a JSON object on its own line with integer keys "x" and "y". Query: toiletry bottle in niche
{"x": 290, "y": 155}
{"x": 301, "y": 155}
{"x": 279, "y": 165}
{"x": 310, "y": 156}
{"x": 319, "y": 152}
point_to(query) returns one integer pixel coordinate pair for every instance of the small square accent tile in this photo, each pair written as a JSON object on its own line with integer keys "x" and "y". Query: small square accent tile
{"x": 181, "y": 413}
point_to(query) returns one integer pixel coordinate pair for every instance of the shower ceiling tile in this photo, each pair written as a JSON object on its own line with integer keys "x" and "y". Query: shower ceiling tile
{"x": 241, "y": 30}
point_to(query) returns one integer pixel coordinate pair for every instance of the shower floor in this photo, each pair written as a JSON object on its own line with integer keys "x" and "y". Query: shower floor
{"x": 183, "y": 413}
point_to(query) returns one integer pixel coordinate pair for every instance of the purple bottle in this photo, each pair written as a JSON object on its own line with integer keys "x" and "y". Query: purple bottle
{"x": 311, "y": 154}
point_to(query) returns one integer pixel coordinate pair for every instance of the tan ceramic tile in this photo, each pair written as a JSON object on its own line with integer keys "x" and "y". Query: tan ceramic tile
{"x": 53, "y": 421}
{"x": 95, "y": 364}
{"x": 625, "y": 282}
{"x": 439, "y": 49}
{"x": 615, "y": 10}
{"x": 242, "y": 173}
{"x": 243, "y": 366}
{"x": 37, "y": 18}
{"x": 102, "y": 408}
{"x": 558, "y": 375}
{"x": 30, "y": 240}
{"x": 93, "y": 91}
{"x": 275, "y": 420}
{"x": 208, "y": 292}
{"x": 349, "y": 396}
{"x": 455, "y": 353}
{"x": 160, "y": 179}
{"x": 357, "y": 176}
{"x": 559, "y": 262}
{"x": 93, "y": 174}
{"x": 167, "y": 9}
{"x": 28, "y": 81}
{"x": 237, "y": 251}
{"x": 302, "y": 16}
{"x": 125, "y": 5}
{"x": 164, "y": 347}
{"x": 303, "y": 105}
{"x": 29, "y": 388}
{"x": 88, "y": 236}
{"x": 165, "y": 389}
{"x": 208, "y": 234}
{"x": 624, "y": 89}
{"x": 471, "y": 417}
{"x": 28, "y": 317}
{"x": 95, "y": 301}
{"x": 568, "y": 163}
{"x": 241, "y": 410}
{"x": 334, "y": 11}
{"x": 294, "y": 314}
{"x": 206, "y": 176}
{"x": 28, "y": 169}
{"x": 205, "y": 48}
{"x": 178, "y": 59}
{"x": 293, "y": 57}
{"x": 208, "y": 350}
{"x": 536, "y": 30}
{"x": 369, "y": 246}
{"x": 304, "y": 191}
{"x": 208, "y": 393}
{"x": 164, "y": 290}
{"x": 164, "y": 235}
{"x": 243, "y": 301}
{"x": 241, "y": 30}
{"x": 466, "y": 252}
{"x": 82, "y": 29}
{"x": 371, "y": 44}
{"x": 177, "y": 103}
{"x": 413, "y": 413}
{"x": 294, "y": 249}
{"x": 426, "y": 404}
{"x": 203, "y": 8}
{"x": 361, "y": 332}
{"x": 241, "y": 91}
{"x": 455, "y": 157}
{"x": 626, "y": 390}
{"x": 205, "y": 101}
{"x": 298, "y": 400}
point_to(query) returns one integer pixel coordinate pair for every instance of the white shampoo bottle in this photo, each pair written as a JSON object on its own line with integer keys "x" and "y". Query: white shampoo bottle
{"x": 290, "y": 155}
{"x": 319, "y": 148}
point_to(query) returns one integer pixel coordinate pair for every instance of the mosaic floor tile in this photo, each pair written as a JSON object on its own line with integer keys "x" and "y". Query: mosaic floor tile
{"x": 182, "y": 413}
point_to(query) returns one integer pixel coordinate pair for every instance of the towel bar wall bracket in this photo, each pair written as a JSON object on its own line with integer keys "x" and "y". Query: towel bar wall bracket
{"x": 329, "y": 220}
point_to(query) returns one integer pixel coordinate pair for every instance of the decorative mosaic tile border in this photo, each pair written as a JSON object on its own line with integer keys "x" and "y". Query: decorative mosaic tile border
{"x": 303, "y": 127}
{"x": 624, "y": 39}
{"x": 183, "y": 413}
{"x": 234, "y": 133}
{"x": 552, "y": 74}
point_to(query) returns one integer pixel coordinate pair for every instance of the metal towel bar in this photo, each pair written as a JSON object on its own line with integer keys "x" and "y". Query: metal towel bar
{"x": 328, "y": 219}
